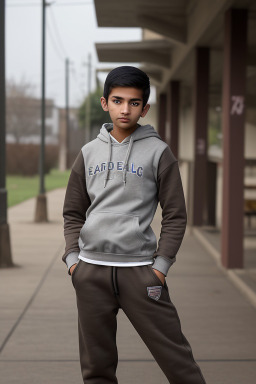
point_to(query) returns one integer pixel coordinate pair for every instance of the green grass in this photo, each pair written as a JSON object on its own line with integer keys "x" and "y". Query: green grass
{"x": 20, "y": 188}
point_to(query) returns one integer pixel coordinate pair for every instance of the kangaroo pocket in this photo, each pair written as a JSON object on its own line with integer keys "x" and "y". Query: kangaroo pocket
{"x": 111, "y": 232}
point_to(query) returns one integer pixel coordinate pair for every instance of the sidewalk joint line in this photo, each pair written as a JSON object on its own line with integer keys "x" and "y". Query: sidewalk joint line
{"x": 53, "y": 260}
{"x": 231, "y": 274}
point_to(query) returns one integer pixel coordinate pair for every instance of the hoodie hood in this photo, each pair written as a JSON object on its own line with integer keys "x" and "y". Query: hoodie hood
{"x": 142, "y": 132}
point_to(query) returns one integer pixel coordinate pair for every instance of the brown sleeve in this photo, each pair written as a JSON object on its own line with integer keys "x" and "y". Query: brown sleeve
{"x": 75, "y": 206}
{"x": 174, "y": 216}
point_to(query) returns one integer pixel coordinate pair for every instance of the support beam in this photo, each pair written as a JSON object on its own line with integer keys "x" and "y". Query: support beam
{"x": 132, "y": 56}
{"x": 5, "y": 242}
{"x": 135, "y": 45}
{"x": 234, "y": 88}
{"x": 173, "y": 115}
{"x": 201, "y": 91}
{"x": 251, "y": 60}
{"x": 212, "y": 169}
{"x": 176, "y": 33}
{"x": 162, "y": 115}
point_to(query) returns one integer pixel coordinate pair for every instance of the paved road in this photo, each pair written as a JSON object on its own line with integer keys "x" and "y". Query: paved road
{"x": 38, "y": 333}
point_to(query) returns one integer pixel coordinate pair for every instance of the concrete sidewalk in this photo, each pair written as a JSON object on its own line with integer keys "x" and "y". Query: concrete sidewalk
{"x": 38, "y": 333}
{"x": 243, "y": 278}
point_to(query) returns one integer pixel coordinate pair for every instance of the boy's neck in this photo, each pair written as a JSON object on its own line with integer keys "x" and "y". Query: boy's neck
{"x": 120, "y": 135}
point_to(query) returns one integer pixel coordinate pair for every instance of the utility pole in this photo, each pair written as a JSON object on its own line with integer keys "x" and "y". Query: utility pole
{"x": 67, "y": 112}
{"x": 41, "y": 203}
{"x": 88, "y": 104}
{"x": 5, "y": 244}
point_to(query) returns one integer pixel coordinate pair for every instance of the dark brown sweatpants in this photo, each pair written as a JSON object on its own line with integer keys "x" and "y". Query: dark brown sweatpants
{"x": 101, "y": 290}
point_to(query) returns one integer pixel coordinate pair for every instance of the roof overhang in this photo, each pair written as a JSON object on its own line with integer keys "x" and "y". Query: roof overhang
{"x": 167, "y": 17}
{"x": 185, "y": 25}
{"x": 154, "y": 52}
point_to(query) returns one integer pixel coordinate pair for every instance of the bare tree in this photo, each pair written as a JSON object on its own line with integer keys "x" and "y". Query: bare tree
{"x": 22, "y": 109}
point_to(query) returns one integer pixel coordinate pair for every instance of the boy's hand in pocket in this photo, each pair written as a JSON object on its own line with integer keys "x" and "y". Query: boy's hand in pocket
{"x": 160, "y": 275}
{"x": 72, "y": 269}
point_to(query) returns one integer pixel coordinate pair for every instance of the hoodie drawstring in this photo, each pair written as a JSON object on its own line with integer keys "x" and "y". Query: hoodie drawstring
{"x": 125, "y": 161}
{"x": 127, "y": 158}
{"x": 109, "y": 159}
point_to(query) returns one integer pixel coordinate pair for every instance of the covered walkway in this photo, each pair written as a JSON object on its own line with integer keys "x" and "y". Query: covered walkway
{"x": 200, "y": 55}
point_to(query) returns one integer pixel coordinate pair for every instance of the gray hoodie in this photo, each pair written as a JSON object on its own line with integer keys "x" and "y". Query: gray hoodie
{"x": 111, "y": 199}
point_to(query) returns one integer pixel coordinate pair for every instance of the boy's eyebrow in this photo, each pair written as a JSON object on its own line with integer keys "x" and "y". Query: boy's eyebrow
{"x": 121, "y": 98}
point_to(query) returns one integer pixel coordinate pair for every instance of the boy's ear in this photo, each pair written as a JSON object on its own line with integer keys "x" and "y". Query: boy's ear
{"x": 145, "y": 110}
{"x": 104, "y": 104}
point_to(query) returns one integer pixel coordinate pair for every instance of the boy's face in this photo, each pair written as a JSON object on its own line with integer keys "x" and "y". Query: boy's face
{"x": 125, "y": 107}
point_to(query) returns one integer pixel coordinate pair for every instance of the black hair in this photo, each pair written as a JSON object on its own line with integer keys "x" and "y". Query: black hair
{"x": 127, "y": 76}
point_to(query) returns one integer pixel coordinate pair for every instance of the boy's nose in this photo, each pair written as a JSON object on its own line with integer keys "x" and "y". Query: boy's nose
{"x": 125, "y": 108}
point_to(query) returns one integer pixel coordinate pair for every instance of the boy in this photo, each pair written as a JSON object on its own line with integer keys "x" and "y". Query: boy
{"x": 111, "y": 250}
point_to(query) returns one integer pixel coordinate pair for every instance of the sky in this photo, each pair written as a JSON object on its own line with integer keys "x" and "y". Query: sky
{"x": 71, "y": 31}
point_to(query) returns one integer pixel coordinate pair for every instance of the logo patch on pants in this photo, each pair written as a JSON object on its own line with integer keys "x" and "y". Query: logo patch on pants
{"x": 154, "y": 292}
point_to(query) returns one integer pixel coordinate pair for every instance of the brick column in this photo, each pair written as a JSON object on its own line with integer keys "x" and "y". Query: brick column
{"x": 234, "y": 87}
{"x": 173, "y": 103}
{"x": 162, "y": 115}
{"x": 201, "y": 91}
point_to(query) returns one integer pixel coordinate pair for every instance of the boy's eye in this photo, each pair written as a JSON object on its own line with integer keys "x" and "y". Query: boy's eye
{"x": 116, "y": 101}
{"x": 135, "y": 104}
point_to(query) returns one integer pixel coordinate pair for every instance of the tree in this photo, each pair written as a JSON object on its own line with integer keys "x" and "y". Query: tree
{"x": 98, "y": 116}
{"x": 22, "y": 109}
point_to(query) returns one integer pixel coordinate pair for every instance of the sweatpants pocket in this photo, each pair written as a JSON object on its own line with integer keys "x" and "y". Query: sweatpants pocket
{"x": 75, "y": 271}
{"x": 156, "y": 278}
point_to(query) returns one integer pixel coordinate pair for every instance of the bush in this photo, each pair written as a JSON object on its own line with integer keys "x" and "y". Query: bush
{"x": 23, "y": 159}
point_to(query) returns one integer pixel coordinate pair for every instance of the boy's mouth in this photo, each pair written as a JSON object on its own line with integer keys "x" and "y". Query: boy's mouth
{"x": 124, "y": 120}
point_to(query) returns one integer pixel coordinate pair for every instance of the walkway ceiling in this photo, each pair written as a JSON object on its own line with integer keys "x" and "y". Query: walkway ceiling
{"x": 167, "y": 17}
{"x": 181, "y": 25}
{"x": 156, "y": 52}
